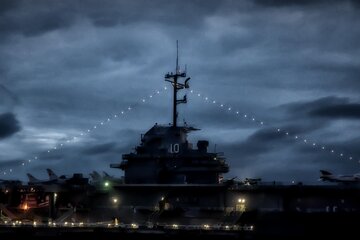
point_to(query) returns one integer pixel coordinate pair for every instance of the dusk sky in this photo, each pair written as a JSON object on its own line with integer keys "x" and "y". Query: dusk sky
{"x": 68, "y": 65}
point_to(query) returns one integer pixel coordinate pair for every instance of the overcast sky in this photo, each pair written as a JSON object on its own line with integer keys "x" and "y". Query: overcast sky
{"x": 68, "y": 65}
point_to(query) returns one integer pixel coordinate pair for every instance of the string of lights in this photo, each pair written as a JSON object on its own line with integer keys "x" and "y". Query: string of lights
{"x": 206, "y": 99}
{"x": 261, "y": 123}
{"x": 86, "y": 132}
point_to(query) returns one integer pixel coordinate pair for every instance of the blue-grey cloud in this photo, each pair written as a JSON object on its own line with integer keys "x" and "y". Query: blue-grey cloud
{"x": 100, "y": 148}
{"x": 68, "y": 65}
{"x": 9, "y": 125}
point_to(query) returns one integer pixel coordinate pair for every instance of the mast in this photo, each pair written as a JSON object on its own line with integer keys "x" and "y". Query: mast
{"x": 173, "y": 79}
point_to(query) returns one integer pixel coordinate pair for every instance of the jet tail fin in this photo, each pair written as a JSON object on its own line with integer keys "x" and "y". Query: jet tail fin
{"x": 96, "y": 175}
{"x": 32, "y": 178}
{"x": 52, "y": 175}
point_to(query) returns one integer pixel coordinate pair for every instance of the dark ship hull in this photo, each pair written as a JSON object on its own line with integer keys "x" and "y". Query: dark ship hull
{"x": 269, "y": 211}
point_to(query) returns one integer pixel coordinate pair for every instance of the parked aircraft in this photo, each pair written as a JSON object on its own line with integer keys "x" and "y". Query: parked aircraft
{"x": 252, "y": 181}
{"x": 53, "y": 179}
{"x": 328, "y": 176}
{"x": 105, "y": 178}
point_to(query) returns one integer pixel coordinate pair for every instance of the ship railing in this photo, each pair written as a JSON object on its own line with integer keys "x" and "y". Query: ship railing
{"x": 128, "y": 226}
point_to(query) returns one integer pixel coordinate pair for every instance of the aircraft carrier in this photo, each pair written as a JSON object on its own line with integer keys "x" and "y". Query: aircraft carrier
{"x": 173, "y": 189}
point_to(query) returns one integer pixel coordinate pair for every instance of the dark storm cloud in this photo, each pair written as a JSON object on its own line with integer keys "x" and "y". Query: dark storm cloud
{"x": 328, "y": 107}
{"x": 7, "y": 5}
{"x": 269, "y": 140}
{"x": 9, "y": 125}
{"x": 260, "y": 142}
{"x": 350, "y": 110}
{"x": 37, "y": 17}
{"x": 32, "y": 17}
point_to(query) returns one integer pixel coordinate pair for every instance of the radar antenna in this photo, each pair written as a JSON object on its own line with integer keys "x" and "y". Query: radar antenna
{"x": 173, "y": 79}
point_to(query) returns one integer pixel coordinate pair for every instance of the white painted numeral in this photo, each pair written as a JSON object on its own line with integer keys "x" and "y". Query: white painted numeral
{"x": 174, "y": 148}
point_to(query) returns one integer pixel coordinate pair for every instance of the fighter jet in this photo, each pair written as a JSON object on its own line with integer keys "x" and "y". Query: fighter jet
{"x": 95, "y": 176}
{"x": 104, "y": 179}
{"x": 76, "y": 179}
{"x": 53, "y": 176}
{"x": 252, "y": 181}
{"x": 328, "y": 176}
{"x": 107, "y": 177}
{"x": 34, "y": 181}
{"x": 53, "y": 179}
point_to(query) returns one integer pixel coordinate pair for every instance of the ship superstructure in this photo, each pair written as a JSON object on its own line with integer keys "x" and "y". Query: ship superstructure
{"x": 165, "y": 156}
